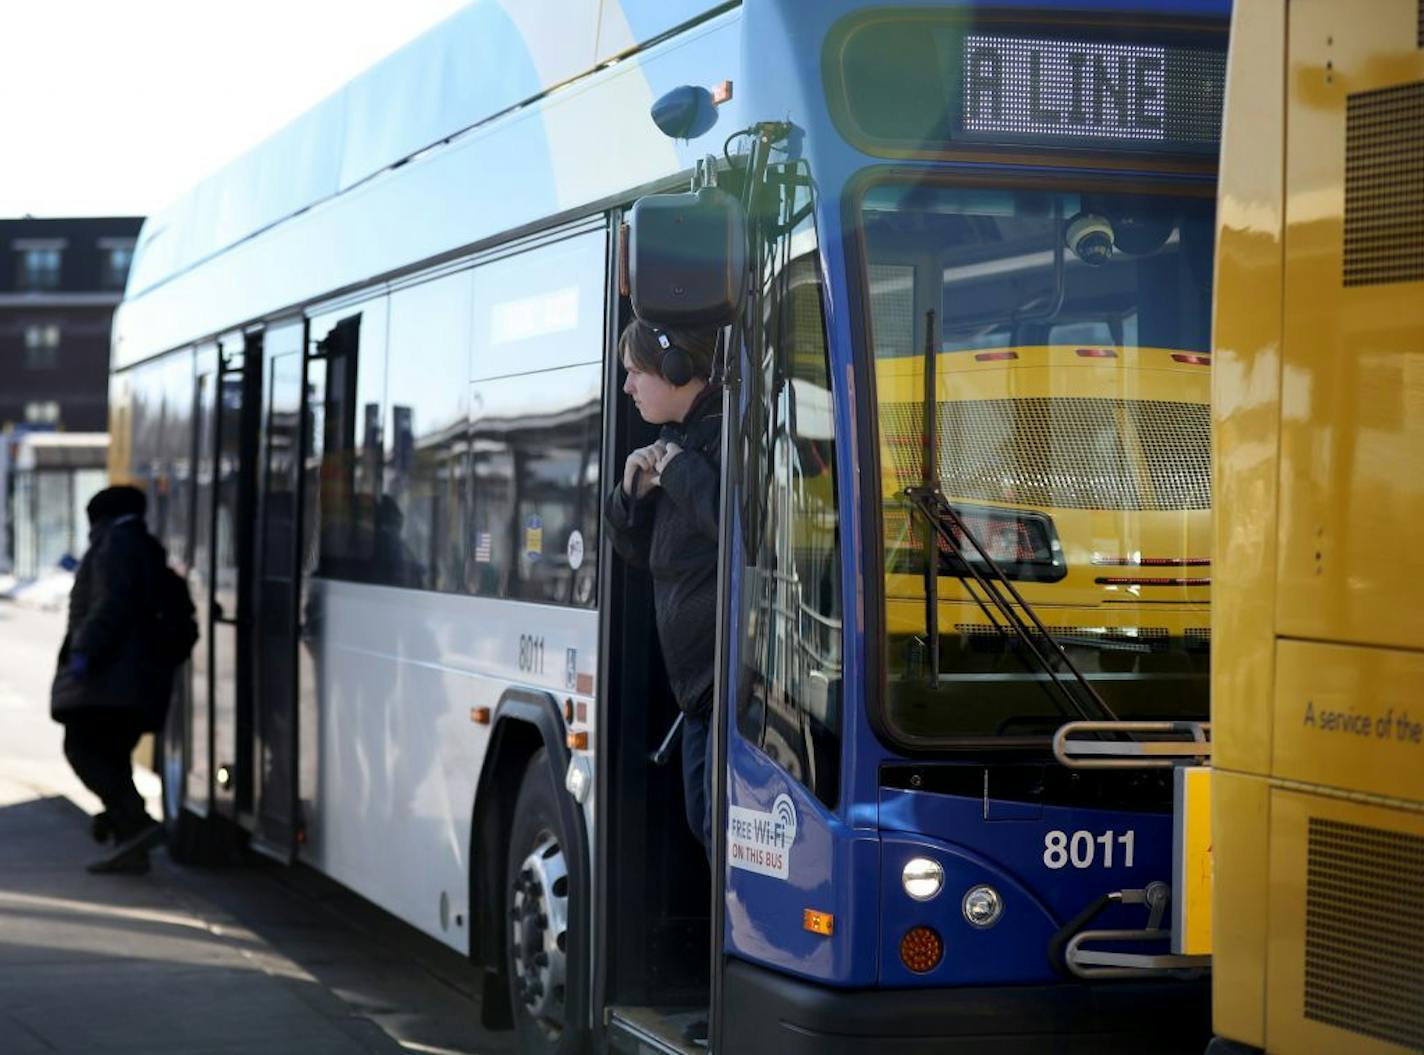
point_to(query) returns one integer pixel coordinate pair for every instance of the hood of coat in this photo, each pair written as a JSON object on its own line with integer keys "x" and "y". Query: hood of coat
{"x": 100, "y": 527}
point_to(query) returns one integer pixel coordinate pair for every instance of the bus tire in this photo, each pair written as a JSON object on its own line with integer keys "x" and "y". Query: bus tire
{"x": 538, "y": 893}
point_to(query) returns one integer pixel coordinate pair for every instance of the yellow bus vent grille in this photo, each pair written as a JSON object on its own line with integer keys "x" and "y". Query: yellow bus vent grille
{"x": 1152, "y": 638}
{"x": 1384, "y": 185}
{"x": 1062, "y": 453}
{"x": 1364, "y": 931}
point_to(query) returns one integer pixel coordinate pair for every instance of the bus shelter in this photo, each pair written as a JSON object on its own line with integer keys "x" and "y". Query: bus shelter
{"x": 54, "y": 476}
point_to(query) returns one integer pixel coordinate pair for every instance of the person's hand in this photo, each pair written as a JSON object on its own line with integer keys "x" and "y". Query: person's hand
{"x": 78, "y": 664}
{"x": 641, "y": 469}
{"x": 670, "y": 451}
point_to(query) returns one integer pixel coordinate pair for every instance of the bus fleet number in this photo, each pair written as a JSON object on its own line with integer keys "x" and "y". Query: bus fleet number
{"x": 1080, "y": 849}
{"x": 531, "y": 654}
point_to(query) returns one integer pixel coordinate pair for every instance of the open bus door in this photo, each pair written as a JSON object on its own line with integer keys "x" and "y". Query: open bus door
{"x": 187, "y": 740}
{"x": 651, "y": 971}
{"x": 776, "y": 682}
{"x": 207, "y": 743}
{"x": 283, "y": 443}
{"x": 662, "y": 925}
{"x": 239, "y": 396}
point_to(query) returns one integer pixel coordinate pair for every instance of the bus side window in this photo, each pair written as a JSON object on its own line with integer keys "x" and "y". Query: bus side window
{"x": 420, "y": 518}
{"x": 535, "y": 413}
{"x": 351, "y": 442}
{"x": 788, "y": 701}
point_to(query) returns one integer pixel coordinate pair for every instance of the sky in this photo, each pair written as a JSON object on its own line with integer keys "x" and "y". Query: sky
{"x": 115, "y": 107}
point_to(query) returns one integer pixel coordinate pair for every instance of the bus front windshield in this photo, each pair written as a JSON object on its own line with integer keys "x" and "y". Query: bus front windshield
{"x": 1071, "y": 414}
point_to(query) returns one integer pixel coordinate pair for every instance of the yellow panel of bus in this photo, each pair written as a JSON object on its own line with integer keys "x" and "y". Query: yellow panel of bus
{"x": 1318, "y": 403}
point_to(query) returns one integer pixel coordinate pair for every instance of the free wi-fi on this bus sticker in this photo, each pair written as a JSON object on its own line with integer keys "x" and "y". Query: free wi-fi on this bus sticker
{"x": 761, "y": 842}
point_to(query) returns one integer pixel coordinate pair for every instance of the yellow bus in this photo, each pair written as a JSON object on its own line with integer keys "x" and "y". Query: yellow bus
{"x": 1318, "y": 402}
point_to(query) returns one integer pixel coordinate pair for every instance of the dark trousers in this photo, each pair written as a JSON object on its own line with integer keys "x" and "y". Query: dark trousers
{"x": 697, "y": 776}
{"x": 99, "y": 746}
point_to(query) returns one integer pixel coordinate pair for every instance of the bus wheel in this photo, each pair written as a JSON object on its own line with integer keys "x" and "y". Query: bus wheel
{"x": 537, "y": 888}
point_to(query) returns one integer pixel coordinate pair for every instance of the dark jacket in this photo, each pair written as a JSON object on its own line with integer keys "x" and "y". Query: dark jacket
{"x": 111, "y": 622}
{"x": 672, "y": 532}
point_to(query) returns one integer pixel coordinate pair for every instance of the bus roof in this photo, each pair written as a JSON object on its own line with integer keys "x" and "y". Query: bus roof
{"x": 490, "y": 57}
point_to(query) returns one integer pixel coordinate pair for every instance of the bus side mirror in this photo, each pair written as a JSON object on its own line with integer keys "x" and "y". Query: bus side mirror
{"x": 687, "y": 258}
{"x": 685, "y": 112}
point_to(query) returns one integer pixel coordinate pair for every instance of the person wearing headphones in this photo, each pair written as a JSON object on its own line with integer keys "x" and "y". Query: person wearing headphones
{"x": 663, "y": 516}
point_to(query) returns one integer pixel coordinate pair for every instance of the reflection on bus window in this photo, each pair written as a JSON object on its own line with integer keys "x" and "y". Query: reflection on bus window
{"x": 535, "y": 440}
{"x": 160, "y": 455}
{"x": 534, "y": 469}
{"x": 420, "y": 534}
{"x": 1071, "y": 416}
{"x": 788, "y": 703}
{"x": 430, "y": 480}
{"x": 354, "y": 348}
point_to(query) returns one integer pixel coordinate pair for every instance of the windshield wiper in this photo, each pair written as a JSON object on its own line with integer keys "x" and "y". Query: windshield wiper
{"x": 934, "y": 507}
{"x": 931, "y": 503}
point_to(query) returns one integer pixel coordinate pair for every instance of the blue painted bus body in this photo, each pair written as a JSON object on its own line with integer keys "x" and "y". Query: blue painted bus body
{"x": 847, "y": 861}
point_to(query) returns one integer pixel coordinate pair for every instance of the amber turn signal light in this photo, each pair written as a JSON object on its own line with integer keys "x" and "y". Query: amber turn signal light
{"x": 921, "y": 949}
{"x": 818, "y": 922}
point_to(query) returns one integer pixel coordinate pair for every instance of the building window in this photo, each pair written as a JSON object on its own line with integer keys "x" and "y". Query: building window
{"x": 39, "y": 264}
{"x": 42, "y": 346}
{"x": 42, "y": 412}
{"x": 116, "y": 254}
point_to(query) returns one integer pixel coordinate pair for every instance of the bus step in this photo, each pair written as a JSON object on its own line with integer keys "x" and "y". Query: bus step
{"x": 652, "y": 1030}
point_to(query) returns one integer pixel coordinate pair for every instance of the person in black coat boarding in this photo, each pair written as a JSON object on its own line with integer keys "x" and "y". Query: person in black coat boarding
{"x": 113, "y": 679}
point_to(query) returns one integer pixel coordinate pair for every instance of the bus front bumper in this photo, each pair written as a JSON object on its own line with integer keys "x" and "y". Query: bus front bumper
{"x": 766, "y": 1011}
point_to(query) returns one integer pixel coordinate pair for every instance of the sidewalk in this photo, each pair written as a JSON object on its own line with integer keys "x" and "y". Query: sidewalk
{"x": 245, "y": 958}
{"x": 135, "y": 964}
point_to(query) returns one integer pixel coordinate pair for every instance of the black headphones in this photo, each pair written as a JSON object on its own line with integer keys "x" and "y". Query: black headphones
{"x": 674, "y": 364}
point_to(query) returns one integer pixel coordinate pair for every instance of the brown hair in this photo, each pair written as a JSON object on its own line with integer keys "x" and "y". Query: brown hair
{"x": 639, "y": 345}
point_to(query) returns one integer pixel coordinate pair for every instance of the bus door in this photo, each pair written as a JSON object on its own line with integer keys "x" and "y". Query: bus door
{"x": 226, "y": 533}
{"x": 187, "y": 748}
{"x": 278, "y": 526}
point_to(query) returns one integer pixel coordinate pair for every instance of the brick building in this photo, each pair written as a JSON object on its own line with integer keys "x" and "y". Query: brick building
{"x": 60, "y": 281}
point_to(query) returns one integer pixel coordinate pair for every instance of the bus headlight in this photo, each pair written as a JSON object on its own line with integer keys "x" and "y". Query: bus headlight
{"x": 983, "y": 906}
{"x": 922, "y": 878}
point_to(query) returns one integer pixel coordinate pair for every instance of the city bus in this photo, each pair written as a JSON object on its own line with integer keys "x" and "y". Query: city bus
{"x": 1317, "y": 785}
{"x": 960, "y": 260}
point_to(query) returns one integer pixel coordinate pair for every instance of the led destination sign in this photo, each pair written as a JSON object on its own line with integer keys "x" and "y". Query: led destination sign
{"x": 916, "y": 84}
{"x": 1037, "y": 90}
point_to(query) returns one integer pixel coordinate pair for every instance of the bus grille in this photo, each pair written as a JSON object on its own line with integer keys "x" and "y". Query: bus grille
{"x": 1384, "y": 185}
{"x": 1152, "y": 638}
{"x": 1364, "y": 931}
{"x": 1062, "y": 453}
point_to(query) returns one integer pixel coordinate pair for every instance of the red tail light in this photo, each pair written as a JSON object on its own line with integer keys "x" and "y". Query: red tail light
{"x": 1192, "y": 360}
{"x": 921, "y": 949}
{"x": 1097, "y": 353}
{"x": 994, "y": 357}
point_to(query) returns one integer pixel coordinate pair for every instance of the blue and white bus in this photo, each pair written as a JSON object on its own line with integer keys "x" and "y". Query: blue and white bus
{"x": 961, "y": 258}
